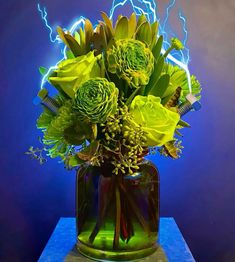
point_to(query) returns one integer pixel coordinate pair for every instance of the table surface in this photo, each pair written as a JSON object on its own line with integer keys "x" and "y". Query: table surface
{"x": 61, "y": 245}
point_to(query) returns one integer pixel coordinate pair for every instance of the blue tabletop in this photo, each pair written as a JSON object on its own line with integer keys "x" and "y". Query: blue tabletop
{"x": 61, "y": 245}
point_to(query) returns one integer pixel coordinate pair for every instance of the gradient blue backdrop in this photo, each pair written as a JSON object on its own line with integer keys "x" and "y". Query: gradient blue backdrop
{"x": 198, "y": 190}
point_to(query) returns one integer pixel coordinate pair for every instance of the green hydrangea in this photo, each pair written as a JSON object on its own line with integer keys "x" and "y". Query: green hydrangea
{"x": 132, "y": 61}
{"x": 96, "y": 99}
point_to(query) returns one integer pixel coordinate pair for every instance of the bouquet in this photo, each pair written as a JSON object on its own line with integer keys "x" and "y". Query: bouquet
{"x": 119, "y": 97}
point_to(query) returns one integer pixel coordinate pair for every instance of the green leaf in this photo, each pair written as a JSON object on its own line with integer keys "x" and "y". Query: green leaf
{"x": 132, "y": 25}
{"x": 183, "y": 124}
{"x": 43, "y": 70}
{"x": 161, "y": 86}
{"x": 108, "y": 22}
{"x": 144, "y": 33}
{"x": 157, "y": 48}
{"x": 154, "y": 28}
{"x": 155, "y": 75}
{"x": 75, "y": 161}
{"x": 69, "y": 54}
{"x": 141, "y": 20}
{"x": 122, "y": 28}
{"x": 88, "y": 33}
{"x": 73, "y": 45}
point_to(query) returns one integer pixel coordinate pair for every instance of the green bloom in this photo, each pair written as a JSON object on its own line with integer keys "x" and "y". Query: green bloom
{"x": 178, "y": 77}
{"x": 156, "y": 121}
{"x": 53, "y": 128}
{"x": 131, "y": 60}
{"x": 96, "y": 99}
{"x": 177, "y": 44}
{"x": 71, "y": 73}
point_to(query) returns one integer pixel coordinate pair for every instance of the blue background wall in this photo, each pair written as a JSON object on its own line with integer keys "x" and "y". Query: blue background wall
{"x": 198, "y": 190}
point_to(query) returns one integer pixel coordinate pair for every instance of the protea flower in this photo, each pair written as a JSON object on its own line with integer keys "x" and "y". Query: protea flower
{"x": 132, "y": 61}
{"x": 96, "y": 99}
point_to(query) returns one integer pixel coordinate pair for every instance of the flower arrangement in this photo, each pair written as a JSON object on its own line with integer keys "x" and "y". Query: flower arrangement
{"x": 118, "y": 96}
{"x": 119, "y": 99}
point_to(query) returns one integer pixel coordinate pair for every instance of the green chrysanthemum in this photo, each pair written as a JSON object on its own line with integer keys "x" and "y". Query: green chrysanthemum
{"x": 53, "y": 128}
{"x": 131, "y": 60}
{"x": 96, "y": 99}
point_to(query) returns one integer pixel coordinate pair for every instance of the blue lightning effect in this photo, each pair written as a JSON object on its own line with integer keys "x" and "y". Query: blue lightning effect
{"x": 184, "y": 26}
{"x": 79, "y": 22}
{"x": 168, "y": 10}
{"x": 146, "y": 7}
{"x": 150, "y": 11}
{"x": 43, "y": 13}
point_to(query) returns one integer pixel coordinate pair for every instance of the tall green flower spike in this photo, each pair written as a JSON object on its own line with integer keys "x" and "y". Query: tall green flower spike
{"x": 96, "y": 99}
{"x": 132, "y": 61}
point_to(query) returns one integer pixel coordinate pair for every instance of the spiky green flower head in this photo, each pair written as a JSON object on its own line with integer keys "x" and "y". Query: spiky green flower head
{"x": 177, "y": 44}
{"x": 96, "y": 99}
{"x": 155, "y": 120}
{"x": 132, "y": 61}
{"x": 53, "y": 128}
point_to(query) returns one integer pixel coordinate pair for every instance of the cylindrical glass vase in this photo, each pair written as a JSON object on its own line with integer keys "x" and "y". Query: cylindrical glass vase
{"x": 117, "y": 217}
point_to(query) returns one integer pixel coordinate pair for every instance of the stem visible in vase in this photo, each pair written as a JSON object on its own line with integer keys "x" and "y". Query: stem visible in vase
{"x": 118, "y": 217}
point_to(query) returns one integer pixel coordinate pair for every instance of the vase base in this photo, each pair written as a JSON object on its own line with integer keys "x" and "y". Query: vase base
{"x": 121, "y": 255}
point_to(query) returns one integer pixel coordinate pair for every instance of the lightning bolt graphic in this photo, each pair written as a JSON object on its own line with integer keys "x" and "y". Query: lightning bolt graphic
{"x": 149, "y": 11}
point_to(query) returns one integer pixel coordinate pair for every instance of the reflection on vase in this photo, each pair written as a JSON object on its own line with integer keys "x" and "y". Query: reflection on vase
{"x": 117, "y": 217}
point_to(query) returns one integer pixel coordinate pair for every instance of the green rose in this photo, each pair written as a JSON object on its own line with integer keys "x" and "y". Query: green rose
{"x": 96, "y": 99}
{"x": 156, "y": 121}
{"x": 71, "y": 73}
{"x": 131, "y": 60}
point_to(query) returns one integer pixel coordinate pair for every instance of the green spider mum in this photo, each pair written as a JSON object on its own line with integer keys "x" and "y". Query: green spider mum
{"x": 54, "y": 127}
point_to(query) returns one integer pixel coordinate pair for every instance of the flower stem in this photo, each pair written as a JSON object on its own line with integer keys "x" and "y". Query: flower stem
{"x": 168, "y": 51}
{"x": 118, "y": 218}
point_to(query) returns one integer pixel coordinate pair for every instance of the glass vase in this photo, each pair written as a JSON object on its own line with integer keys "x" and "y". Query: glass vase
{"x": 117, "y": 217}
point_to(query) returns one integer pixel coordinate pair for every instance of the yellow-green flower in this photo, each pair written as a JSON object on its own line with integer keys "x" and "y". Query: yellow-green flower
{"x": 156, "y": 121}
{"x": 71, "y": 73}
{"x": 96, "y": 99}
{"x": 132, "y": 61}
{"x": 177, "y": 44}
